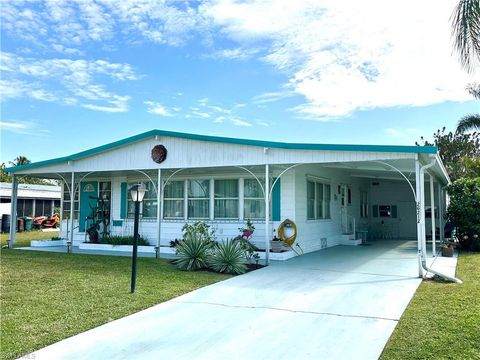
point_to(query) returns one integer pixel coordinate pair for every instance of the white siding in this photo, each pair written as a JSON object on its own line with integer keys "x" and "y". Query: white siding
{"x": 183, "y": 153}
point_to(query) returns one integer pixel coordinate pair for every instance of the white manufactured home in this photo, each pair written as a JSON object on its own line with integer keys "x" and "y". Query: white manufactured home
{"x": 335, "y": 194}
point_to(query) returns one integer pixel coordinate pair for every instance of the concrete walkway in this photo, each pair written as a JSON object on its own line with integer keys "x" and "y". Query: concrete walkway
{"x": 339, "y": 303}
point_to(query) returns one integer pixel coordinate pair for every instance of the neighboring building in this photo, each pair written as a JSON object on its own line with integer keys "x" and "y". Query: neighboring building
{"x": 334, "y": 193}
{"x": 32, "y": 200}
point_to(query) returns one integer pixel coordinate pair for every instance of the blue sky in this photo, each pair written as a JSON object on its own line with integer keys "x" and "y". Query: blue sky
{"x": 78, "y": 74}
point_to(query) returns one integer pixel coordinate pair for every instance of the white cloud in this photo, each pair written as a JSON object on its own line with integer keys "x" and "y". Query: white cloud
{"x": 338, "y": 56}
{"x": 407, "y": 133}
{"x": 158, "y": 109}
{"x": 269, "y": 97}
{"x": 69, "y": 24}
{"x": 346, "y": 56}
{"x": 70, "y": 81}
{"x": 23, "y": 127}
{"x": 200, "y": 114}
{"x": 235, "y": 54}
{"x": 240, "y": 122}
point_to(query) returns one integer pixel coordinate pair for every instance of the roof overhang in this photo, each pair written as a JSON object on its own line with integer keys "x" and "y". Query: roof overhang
{"x": 427, "y": 150}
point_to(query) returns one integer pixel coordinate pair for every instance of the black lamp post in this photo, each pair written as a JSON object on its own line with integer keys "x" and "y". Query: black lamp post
{"x": 137, "y": 192}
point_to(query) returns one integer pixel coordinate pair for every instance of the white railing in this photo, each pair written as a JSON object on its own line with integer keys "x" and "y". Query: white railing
{"x": 348, "y": 225}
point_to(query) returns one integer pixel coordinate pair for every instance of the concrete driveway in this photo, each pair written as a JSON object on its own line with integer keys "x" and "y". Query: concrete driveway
{"x": 339, "y": 303}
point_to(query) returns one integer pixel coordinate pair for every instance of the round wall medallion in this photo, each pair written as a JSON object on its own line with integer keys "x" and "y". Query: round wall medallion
{"x": 159, "y": 153}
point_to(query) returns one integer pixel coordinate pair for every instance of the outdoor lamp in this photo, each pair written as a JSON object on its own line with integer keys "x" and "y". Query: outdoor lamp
{"x": 137, "y": 192}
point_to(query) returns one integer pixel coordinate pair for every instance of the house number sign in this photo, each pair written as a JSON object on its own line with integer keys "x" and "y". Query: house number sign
{"x": 159, "y": 153}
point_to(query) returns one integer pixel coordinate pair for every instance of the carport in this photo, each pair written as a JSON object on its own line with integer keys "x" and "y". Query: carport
{"x": 339, "y": 303}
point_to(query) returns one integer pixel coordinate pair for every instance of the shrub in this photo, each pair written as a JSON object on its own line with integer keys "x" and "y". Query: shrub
{"x": 249, "y": 250}
{"x": 228, "y": 257}
{"x": 200, "y": 229}
{"x": 122, "y": 240}
{"x": 193, "y": 252}
{"x": 464, "y": 212}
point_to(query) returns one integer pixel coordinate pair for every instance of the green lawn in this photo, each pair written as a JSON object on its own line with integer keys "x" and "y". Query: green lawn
{"x": 443, "y": 319}
{"x": 24, "y": 238}
{"x": 46, "y": 297}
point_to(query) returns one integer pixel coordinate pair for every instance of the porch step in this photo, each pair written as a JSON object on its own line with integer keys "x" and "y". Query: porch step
{"x": 347, "y": 241}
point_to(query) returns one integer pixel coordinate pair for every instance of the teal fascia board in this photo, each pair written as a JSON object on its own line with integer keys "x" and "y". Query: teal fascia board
{"x": 219, "y": 139}
{"x": 123, "y": 200}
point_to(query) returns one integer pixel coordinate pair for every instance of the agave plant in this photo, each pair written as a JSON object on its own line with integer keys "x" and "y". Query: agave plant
{"x": 193, "y": 253}
{"x": 228, "y": 257}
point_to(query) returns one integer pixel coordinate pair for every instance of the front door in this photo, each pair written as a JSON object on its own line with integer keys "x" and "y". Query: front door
{"x": 88, "y": 201}
{"x": 345, "y": 198}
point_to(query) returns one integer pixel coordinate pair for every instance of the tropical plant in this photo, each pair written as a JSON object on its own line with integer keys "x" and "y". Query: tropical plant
{"x": 469, "y": 122}
{"x": 18, "y": 161}
{"x": 247, "y": 230}
{"x": 455, "y": 150}
{"x": 193, "y": 252}
{"x": 463, "y": 211}
{"x": 200, "y": 229}
{"x": 466, "y": 32}
{"x": 100, "y": 219}
{"x": 228, "y": 257}
{"x": 249, "y": 250}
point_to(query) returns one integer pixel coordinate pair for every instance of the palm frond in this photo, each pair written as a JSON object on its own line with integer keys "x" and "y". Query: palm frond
{"x": 469, "y": 122}
{"x": 466, "y": 32}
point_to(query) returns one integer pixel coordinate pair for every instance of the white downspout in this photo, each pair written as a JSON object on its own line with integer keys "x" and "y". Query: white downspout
{"x": 267, "y": 215}
{"x": 72, "y": 206}
{"x": 422, "y": 225}
{"x": 432, "y": 206}
{"x": 13, "y": 212}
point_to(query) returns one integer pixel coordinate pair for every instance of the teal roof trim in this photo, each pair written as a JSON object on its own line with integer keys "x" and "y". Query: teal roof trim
{"x": 269, "y": 144}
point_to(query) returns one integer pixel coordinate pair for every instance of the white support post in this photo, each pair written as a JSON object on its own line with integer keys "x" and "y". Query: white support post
{"x": 159, "y": 211}
{"x": 441, "y": 210}
{"x": 267, "y": 215}
{"x": 419, "y": 220}
{"x": 212, "y": 200}
{"x": 422, "y": 213}
{"x": 185, "y": 200}
{"x": 13, "y": 212}
{"x": 432, "y": 206}
{"x": 72, "y": 207}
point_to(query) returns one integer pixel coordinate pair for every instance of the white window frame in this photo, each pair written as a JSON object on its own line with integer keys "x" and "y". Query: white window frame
{"x": 325, "y": 204}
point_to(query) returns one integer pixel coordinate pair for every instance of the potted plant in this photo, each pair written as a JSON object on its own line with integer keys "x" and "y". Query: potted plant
{"x": 276, "y": 244}
{"x": 447, "y": 250}
{"x": 247, "y": 230}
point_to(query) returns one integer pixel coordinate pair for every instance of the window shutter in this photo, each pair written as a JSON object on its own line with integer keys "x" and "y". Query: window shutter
{"x": 123, "y": 200}
{"x": 276, "y": 201}
{"x": 394, "y": 211}
{"x": 375, "y": 210}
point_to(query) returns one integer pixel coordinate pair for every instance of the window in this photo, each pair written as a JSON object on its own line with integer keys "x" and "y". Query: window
{"x": 226, "y": 199}
{"x": 198, "y": 199}
{"x": 318, "y": 200}
{"x": 254, "y": 201}
{"x": 67, "y": 204}
{"x": 363, "y": 204}
{"x": 148, "y": 207}
{"x": 385, "y": 210}
{"x": 173, "y": 200}
{"x": 105, "y": 193}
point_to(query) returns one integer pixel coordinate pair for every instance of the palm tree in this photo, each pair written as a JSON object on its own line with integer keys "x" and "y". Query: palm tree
{"x": 469, "y": 122}
{"x": 466, "y": 32}
{"x": 472, "y": 121}
{"x": 20, "y": 160}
